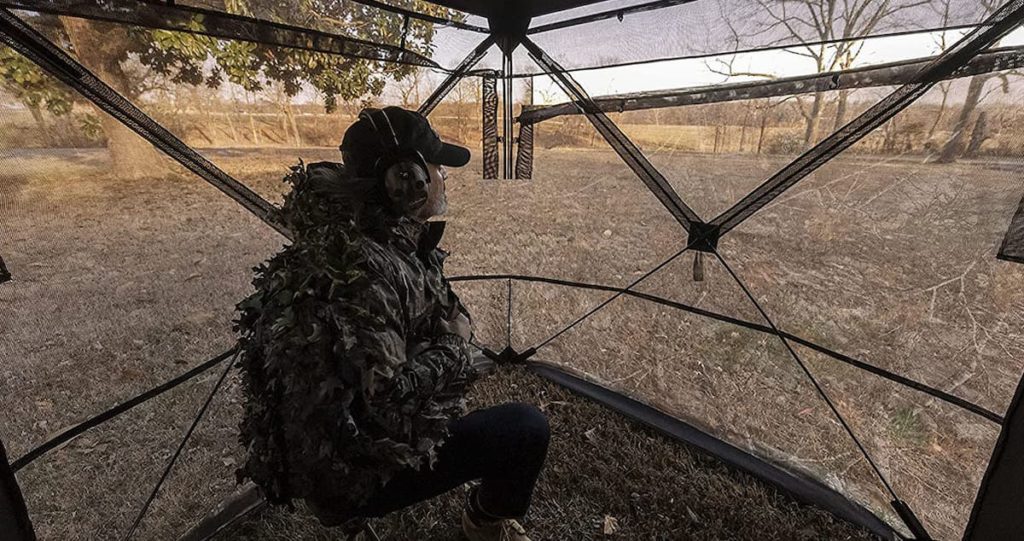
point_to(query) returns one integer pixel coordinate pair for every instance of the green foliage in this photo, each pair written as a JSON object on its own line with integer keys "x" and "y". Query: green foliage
{"x": 320, "y": 364}
{"x": 906, "y": 425}
{"x": 30, "y": 85}
{"x": 183, "y": 58}
{"x": 253, "y": 66}
{"x": 90, "y": 126}
{"x": 295, "y": 399}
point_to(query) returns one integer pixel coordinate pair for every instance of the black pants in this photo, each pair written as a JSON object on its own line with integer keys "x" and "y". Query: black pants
{"x": 503, "y": 446}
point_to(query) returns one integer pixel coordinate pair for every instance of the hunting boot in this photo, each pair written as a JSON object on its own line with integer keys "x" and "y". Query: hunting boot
{"x": 325, "y": 514}
{"x": 478, "y": 525}
{"x": 504, "y": 529}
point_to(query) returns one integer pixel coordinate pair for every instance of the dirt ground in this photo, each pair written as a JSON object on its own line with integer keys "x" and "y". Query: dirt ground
{"x": 120, "y": 285}
{"x": 644, "y": 486}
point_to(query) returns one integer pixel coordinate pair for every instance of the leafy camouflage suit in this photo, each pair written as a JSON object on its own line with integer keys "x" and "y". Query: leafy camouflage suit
{"x": 347, "y": 378}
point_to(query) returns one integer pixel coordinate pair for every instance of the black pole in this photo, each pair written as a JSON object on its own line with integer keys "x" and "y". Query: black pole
{"x": 489, "y": 133}
{"x": 14, "y": 520}
{"x": 507, "y": 121}
{"x": 996, "y": 513}
{"x": 508, "y": 24}
{"x": 454, "y": 77}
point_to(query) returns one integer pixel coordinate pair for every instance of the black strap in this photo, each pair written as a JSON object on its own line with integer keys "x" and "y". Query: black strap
{"x": 456, "y": 75}
{"x": 36, "y": 47}
{"x": 846, "y": 359}
{"x": 625, "y": 148}
{"x": 223, "y": 25}
{"x": 1003, "y": 21}
{"x": 77, "y": 430}
{"x": 177, "y": 452}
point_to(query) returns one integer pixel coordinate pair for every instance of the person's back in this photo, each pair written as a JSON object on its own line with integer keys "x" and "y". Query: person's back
{"x": 355, "y": 348}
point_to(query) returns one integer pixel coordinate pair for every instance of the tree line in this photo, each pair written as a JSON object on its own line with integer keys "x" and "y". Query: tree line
{"x": 139, "y": 61}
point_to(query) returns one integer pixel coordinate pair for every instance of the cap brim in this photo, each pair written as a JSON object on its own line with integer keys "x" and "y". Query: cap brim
{"x": 451, "y": 155}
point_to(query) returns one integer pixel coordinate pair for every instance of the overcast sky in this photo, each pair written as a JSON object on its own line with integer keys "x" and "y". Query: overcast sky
{"x": 780, "y": 63}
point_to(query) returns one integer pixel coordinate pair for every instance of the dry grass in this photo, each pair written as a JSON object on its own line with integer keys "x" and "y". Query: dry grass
{"x": 121, "y": 284}
{"x": 653, "y": 488}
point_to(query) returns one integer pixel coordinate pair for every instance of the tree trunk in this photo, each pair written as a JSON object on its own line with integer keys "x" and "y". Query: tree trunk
{"x": 231, "y": 126}
{"x": 813, "y": 120}
{"x": 955, "y": 146}
{"x": 295, "y": 127}
{"x": 979, "y": 135}
{"x": 255, "y": 132}
{"x": 841, "y": 110}
{"x": 286, "y": 132}
{"x": 760, "y": 135}
{"x": 944, "y": 88}
{"x": 101, "y": 50}
{"x": 37, "y": 115}
{"x": 891, "y": 130}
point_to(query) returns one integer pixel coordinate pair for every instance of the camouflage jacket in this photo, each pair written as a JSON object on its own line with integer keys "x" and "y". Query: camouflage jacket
{"x": 347, "y": 377}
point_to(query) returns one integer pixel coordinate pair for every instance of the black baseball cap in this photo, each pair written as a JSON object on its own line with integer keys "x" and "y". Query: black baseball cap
{"x": 362, "y": 145}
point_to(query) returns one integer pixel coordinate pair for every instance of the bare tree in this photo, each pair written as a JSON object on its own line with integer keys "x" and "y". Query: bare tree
{"x": 466, "y": 97}
{"x": 957, "y": 144}
{"x": 409, "y": 88}
{"x": 526, "y": 85}
{"x": 944, "y": 10}
{"x": 829, "y": 33}
{"x": 970, "y": 121}
{"x": 767, "y": 113}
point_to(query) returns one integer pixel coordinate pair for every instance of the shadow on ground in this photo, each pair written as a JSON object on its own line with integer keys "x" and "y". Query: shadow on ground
{"x": 602, "y": 469}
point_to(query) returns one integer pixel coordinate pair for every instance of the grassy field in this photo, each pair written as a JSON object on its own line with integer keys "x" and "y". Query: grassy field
{"x": 121, "y": 284}
{"x": 648, "y": 487}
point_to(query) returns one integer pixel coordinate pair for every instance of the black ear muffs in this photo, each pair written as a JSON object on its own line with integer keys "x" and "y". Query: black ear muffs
{"x": 405, "y": 179}
{"x": 403, "y": 172}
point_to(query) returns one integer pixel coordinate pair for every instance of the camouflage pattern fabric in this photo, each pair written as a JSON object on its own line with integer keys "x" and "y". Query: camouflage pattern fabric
{"x": 346, "y": 377}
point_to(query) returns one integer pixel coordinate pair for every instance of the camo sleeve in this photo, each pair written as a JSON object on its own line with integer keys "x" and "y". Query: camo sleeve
{"x": 429, "y": 382}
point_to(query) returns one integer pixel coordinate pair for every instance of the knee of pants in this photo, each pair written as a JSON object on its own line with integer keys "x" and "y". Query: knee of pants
{"x": 532, "y": 424}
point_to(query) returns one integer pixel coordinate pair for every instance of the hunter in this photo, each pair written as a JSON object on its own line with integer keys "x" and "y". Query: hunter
{"x": 356, "y": 351}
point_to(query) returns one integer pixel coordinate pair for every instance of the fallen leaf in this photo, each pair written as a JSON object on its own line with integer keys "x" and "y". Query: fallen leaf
{"x": 611, "y": 525}
{"x": 545, "y": 405}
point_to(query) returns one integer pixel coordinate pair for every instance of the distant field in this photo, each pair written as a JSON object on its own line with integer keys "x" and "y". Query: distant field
{"x": 224, "y": 127}
{"x": 121, "y": 284}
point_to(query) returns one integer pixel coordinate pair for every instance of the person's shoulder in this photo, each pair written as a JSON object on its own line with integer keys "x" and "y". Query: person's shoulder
{"x": 326, "y": 168}
{"x": 376, "y": 259}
